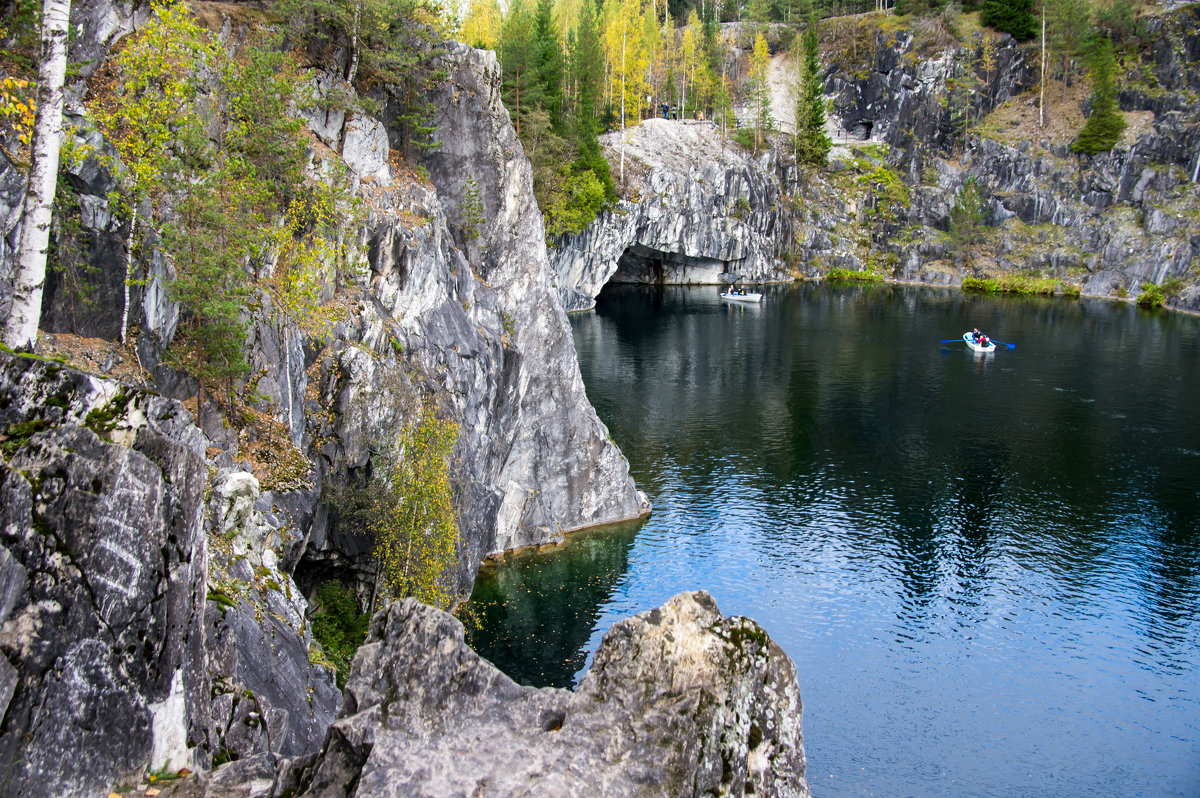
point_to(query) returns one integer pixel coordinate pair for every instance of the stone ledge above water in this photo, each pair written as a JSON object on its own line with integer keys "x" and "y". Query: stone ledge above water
{"x": 680, "y": 700}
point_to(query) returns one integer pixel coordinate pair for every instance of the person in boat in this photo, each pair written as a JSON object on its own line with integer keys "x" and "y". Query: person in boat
{"x": 982, "y": 339}
{"x": 975, "y": 333}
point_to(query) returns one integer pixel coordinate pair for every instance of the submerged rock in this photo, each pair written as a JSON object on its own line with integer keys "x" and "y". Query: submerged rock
{"x": 679, "y": 701}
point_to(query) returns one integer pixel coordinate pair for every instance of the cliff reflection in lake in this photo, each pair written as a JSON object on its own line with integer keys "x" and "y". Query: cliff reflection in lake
{"x": 547, "y": 600}
{"x": 986, "y": 568}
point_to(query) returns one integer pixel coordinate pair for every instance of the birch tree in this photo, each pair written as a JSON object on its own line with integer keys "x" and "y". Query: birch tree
{"x": 760, "y": 62}
{"x": 21, "y": 328}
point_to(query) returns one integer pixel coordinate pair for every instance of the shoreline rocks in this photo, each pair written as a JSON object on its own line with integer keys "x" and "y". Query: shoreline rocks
{"x": 679, "y": 701}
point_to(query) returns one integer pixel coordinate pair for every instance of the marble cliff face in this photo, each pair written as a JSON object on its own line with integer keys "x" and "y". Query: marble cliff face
{"x": 152, "y": 613}
{"x": 698, "y": 209}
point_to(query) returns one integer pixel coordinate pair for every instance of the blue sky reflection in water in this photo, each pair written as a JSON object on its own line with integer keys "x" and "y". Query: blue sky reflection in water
{"x": 987, "y": 568}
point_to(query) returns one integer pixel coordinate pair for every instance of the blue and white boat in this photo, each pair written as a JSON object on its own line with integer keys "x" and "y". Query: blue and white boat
{"x": 969, "y": 338}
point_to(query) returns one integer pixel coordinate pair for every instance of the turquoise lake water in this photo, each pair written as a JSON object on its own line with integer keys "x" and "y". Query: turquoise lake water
{"x": 986, "y": 567}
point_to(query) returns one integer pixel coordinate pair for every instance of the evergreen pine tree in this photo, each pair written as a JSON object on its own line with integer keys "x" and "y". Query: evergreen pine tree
{"x": 1010, "y": 16}
{"x": 1105, "y": 126}
{"x": 812, "y": 143}
{"x": 517, "y": 60}
{"x": 966, "y": 221}
{"x": 548, "y": 64}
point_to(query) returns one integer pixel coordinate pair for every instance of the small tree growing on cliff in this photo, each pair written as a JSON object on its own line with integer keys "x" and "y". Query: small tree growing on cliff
{"x": 966, "y": 221}
{"x": 1105, "y": 126}
{"x": 409, "y": 513}
{"x": 812, "y": 143}
{"x": 760, "y": 61}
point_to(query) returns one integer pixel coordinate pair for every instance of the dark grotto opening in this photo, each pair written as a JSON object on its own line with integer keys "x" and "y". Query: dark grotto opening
{"x": 642, "y": 265}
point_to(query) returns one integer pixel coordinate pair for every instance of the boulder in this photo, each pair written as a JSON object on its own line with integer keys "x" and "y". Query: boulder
{"x": 365, "y": 148}
{"x": 679, "y": 701}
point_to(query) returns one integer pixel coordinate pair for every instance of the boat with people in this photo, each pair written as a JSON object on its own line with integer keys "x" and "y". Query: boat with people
{"x": 736, "y": 295}
{"x": 981, "y": 343}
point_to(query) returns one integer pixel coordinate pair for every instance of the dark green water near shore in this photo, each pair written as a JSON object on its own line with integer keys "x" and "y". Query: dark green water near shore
{"x": 986, "y": 567}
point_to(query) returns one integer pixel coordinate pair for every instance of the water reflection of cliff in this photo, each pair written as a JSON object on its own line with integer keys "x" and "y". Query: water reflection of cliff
{"x": 537, "y": 609}
{"x": 837, "y": 407}
{"x": 927, "y": 532}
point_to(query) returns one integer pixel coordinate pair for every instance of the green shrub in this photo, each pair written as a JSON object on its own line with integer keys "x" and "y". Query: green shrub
{"x": 1010, "y": 16}
{"x": 848, "y": 276}
{"x": 1151, "y": 296}
{"x": 1016, "y": 284}
{"x": 339, "y": 627}
{"x": 1154, "y": 296}
{"x": 744, "y": 138}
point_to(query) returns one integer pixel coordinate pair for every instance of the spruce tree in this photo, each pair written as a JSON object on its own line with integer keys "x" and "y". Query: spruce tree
{"x": 548, "y": 64}
{"x": 1010, "y": 16}
{"x": 966, "y": 221}
{"x": 1068, "y": 22}
{"x": 518, "y": 63}
{"x": 812, "y": 143}
{"x": 1105, "y": 126}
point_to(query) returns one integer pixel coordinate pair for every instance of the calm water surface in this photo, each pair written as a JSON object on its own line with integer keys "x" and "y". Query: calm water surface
{"x": 986, "y": 568}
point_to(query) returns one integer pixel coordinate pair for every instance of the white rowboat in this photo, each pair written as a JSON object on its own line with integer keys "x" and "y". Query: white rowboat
{"x": 969, "y": 338}
{"x": 742, "y": 297}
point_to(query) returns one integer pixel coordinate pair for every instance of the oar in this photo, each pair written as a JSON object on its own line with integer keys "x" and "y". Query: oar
{"x": 951, "y": 341}
{"x": 1010, "y": 346}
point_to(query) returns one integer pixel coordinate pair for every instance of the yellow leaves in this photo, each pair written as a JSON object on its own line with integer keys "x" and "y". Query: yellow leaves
{"x": 17, "y": 107}
{"x": 627, "y": 50}
{"x": 416, "y": 534}
{"x": 308, "y": 249}
{"x": 760, "y": 59}
{"x": 481, "y": 26}
{"x": 145, "y": 98}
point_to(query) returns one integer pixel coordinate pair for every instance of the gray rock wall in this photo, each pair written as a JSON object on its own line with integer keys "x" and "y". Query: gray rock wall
{"x": 540, "y": 448}
{"x": 103, "y": 566}
{"x": 699, "y": 208}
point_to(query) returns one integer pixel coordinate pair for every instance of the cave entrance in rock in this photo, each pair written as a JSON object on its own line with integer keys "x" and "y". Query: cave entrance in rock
{"x": 642, "y": 265}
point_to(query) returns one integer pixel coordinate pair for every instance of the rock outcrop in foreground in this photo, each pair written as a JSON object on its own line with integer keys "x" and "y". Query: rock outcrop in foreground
{"x": 145, "y": 623}
{"x": 679, "y": 701}
{"x": 102, "y": 582}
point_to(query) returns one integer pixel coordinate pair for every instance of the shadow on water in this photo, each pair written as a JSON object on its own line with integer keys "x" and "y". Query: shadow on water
{"x": 547, "y": 600}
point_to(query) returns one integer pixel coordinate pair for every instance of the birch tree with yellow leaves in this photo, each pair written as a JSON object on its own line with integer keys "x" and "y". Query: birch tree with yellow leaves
{"x": 413, "y": 521}
{"x": 21, "y": 327}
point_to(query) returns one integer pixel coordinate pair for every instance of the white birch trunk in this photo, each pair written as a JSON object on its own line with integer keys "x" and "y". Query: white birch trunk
{"x": 1042, "y": 80}
{"x": 352, "y": 66}
{"x": 128, "y": 275}
{"x": 20, "y": 330}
